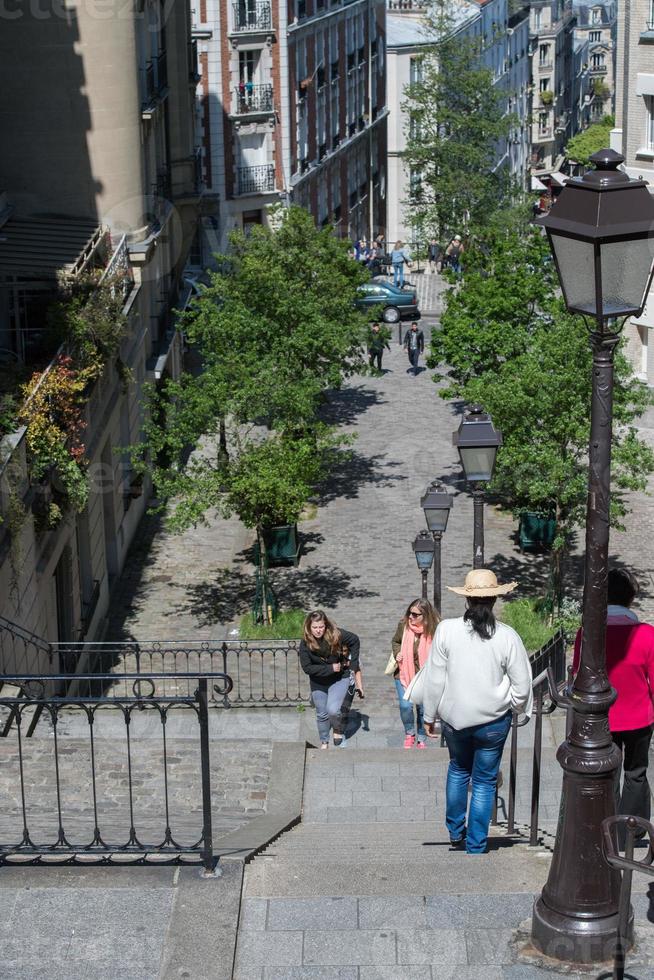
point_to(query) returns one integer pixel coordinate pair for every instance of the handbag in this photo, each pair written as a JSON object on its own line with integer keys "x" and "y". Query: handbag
{"x": 391, "y": 666}
{"x": 415, "y": 689}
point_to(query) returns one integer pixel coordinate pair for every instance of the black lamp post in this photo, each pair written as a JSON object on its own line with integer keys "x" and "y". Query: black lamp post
{"x": 600, "y": 232}
{"x": 423, "y": 547}
{"x": 437, "y": 506}
{"x": 477, "y": 440}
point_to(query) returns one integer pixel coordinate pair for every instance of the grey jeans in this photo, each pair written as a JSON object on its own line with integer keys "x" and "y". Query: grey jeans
{"x": 328, "y": 707}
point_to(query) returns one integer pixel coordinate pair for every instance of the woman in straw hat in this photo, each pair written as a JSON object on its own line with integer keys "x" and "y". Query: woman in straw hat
{"x": 477, "y": 674}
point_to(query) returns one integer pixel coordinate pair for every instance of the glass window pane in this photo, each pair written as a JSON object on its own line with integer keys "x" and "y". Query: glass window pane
{"x": 576, "y": 269}
{"x": 625, "y": 273}
{"x": 478, "y": 462}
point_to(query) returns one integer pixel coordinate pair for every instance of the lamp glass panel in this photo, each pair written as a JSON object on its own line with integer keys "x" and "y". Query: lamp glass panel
{"x": 424, "y": 560}
{"x": 626, "y": 267}
{"x": 478, "y": 462}
{"x": 576, "y": 264}
{"x": 437, "y": 518}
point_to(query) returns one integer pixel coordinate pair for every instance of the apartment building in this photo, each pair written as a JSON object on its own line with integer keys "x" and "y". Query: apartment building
{"x": 503, "y": 42}
{"x": 551, "y": 30}
{"x": 633, "y": 136}
{"x": 99, "y": 177}
{"x": 292, "y": 110}
{"x": 596, "y": 23}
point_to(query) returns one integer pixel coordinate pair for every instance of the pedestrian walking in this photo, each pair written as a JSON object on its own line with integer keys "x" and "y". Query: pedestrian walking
{"x": 630, "y": 669}
{"x": 330, "y": 658}
{"x": 414, "y": 345}
{"x": 453, "y": 254}
{"x": 434, "y": 256}
{"x": 377, "y": 341}
{"x": 477, "y": 674}
{"x": 410, "y": 646}
{"x": 399, "y": 258}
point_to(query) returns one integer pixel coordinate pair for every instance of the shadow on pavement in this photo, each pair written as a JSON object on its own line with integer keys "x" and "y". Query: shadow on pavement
{"x": 343, "y": 407}
{"x": 353, "y": 472}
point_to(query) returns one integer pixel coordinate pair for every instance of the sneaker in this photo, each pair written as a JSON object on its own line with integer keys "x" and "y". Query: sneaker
{"x": 409, "y": 741}
{"x": 421, "y": 745}
{"x": 458, "y": 841}
{"x": 339, "y": 740}
{"x": 324, "y": 745}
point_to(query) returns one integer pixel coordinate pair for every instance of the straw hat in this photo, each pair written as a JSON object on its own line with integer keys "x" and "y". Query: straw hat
{"x": 457, "y": 238}
{"x": 482, "y": 583}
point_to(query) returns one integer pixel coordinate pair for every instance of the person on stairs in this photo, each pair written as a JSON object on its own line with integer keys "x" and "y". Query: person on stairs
{"x": 330, "y": 658}
{"x": 477, "y": 674}
{"x": 410, "y": 646}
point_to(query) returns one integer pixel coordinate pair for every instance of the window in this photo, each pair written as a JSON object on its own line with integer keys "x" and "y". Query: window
{"x": 415, "y": 70}
{"x": 595, "y": 37}
{"x": 596, "y": 15}
{"x": 544, "y": 84}
{"x": 597, "y": 61}
{"x": 544, "y": 54}
{"x": 543, "y": 122}
{"x": 649, "y": 134}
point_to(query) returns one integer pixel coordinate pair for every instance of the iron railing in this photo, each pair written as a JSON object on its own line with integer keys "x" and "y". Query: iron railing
{"x": 631, "y": 828}
{"x": 265, "y": 674}
{"x": 256, "y": 180}
{"x": 549, "y": 660}
{"x": 255, "y": 98}
{"x": 47, "y": 819}
{"x": 252, "y": 15}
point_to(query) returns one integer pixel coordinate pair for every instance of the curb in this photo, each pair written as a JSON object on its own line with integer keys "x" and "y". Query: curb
{"x": 284, "y": 806}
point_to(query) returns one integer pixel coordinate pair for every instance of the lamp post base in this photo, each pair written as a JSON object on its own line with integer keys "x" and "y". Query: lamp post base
{"x": 572, "y": 939}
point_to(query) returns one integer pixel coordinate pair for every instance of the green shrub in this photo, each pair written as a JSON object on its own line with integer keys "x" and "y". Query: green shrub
{"x": 522, "y": 615}
{"x": 287, "y": 626}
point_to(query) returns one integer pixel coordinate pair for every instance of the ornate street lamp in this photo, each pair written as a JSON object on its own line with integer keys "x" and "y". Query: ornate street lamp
{"x": 437, "y": 505}
{"x": 423, "y": 547}
{"x": 600, "y": 232}
{"x": 477, "y": 440}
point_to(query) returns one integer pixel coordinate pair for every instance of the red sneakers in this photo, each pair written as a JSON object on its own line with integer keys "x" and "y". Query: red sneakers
{"x": 409, "y": 741}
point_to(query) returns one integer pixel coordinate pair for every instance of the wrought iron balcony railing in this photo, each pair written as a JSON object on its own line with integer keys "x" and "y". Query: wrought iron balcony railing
{"x": 252, "y": 15}
{"x": 256, "y": 180}
{"x": 252, "y": 99}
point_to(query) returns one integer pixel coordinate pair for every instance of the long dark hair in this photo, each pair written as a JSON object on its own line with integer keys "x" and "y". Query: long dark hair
{"x": 480, "y": 616}
{"x": 430, "y": 618}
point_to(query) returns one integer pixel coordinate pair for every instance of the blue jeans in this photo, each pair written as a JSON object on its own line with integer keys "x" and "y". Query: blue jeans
{"x": 328, "y": 707}
{"x": 406, "y": 713}
{"x": 475, "y": 753}
{"x": 398, "y": 274}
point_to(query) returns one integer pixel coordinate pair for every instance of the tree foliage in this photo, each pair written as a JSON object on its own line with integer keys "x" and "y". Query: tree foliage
{"x": 275, "y": 328}
{"x": 514, "y": 349}
{"x": 597, "y": 137}
{"x": 457, "y": 116}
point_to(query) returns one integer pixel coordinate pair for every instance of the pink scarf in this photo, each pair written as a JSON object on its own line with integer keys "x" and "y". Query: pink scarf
{"x": 407, "y": 665}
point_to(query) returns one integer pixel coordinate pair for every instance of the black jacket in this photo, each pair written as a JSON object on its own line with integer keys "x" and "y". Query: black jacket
{"x": 318, "y": 663}
{"x": 420, "y": 338}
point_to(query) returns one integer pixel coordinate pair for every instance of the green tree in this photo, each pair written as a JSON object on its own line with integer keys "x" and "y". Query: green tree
{"x": 276, "y": 327}
{"x": 456, "y": 117}
{"x": 511, "y": 347}
{"x": 597, "y": 137}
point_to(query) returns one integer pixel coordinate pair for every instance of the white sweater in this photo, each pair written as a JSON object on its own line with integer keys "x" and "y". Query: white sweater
{"x": 471, "y": 681}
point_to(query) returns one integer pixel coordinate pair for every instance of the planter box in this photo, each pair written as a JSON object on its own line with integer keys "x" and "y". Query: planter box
{"x": 536, "y": 530}
{"x": 282, "y": 544}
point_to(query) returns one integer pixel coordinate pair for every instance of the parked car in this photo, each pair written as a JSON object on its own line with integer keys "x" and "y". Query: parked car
{"x": 397, "y": 304}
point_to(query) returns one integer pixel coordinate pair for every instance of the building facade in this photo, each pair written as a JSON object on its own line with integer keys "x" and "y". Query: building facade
{"x": 633, "y": 136}
{"x": 503, "y": 43}
{"x": 99, "y": 179}
{"x": 596, "y": 23}
{"x": 292, "y": 110}
{"x": 551, "y": 29}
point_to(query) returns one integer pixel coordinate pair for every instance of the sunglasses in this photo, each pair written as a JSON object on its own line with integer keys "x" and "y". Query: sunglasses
{"x": 415, "y": 615}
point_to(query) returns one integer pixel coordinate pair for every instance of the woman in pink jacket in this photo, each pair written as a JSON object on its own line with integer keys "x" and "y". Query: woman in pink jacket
{"x": 630, "y": 666}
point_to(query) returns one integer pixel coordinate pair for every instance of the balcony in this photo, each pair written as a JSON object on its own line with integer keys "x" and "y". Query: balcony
{"x": 596, "y": 70}
{"x": 546, "y": 65}
{"x": 252, "y": 16}
{"x": 253, "y": 99}
{"x": 155, "y": 80}
{"x": 256, "y": 180}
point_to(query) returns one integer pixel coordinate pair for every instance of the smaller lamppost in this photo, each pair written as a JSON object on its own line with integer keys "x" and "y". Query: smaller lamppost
{"x": 423, "y": 547}
{"x": 437, "y": 505}
{"x": 477, "y": 440}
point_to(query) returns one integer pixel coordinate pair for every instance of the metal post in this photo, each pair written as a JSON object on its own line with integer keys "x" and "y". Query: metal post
{"x": 478, "y": 526}
{"x": 576, "y": 916}
{"x": 513, "y": 766}
{"x": 437, "y": 570}
{"x": 622, "y": 939}
{"x": 424, "y": 573}
{"x": 210, "y": 863}
{"x": 535, "y": 768}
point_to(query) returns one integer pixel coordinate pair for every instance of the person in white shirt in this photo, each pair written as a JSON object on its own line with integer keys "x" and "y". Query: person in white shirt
{"x": 476, "y": 675}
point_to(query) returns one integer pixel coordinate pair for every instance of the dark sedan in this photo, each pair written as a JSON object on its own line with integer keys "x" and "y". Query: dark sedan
{"x": 397, "y": 304}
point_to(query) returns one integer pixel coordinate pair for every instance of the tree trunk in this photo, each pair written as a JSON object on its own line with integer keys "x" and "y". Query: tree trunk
{"x": 223, "y": 454}
{"x": 266, "y": 615}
